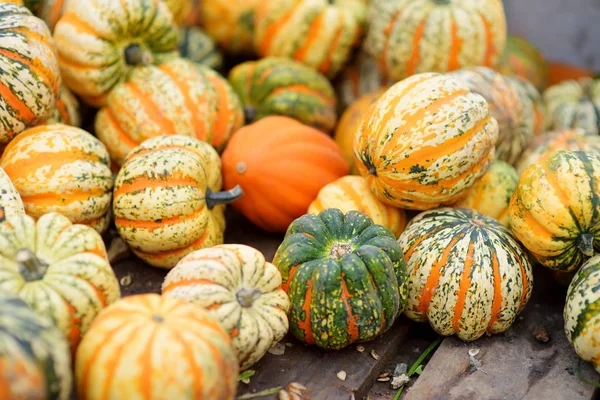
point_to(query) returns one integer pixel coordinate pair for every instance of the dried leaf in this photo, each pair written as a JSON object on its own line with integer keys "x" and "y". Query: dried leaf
{"x": 375, "y": 355}
{"x": 341, "y": 375}
{"x": 297, "y": 387}
{"x": 278, "y": 349}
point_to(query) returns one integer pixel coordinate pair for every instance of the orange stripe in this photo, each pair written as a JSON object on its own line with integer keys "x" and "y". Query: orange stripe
{"x": 62, "y": 111}
{"x": 74, "y": 64}
{"x": 264, "y": 47}
{"x": 122, "y": 136}
{"x": 78, "y": 24}
{"x": 525, "y": 284}
{"x": 220, "y": 130}
{"x": 196, "y": 371}
{"x": 353, "y": 195}
{"x": 144, "y": 152}
{"x": 151, "y": 109}
{"x": 352, "y": 326}
{"x": 539, "y": 230}
{"x": 333, "y": 46}
{"x": 305, "y": 325}
{"x": 145, "y": 362}
{"x": 28, "y": 167}
{"x": 497, "y": 303}
{"x": 491, "y": 49}
{"x": 61, "y": 199}
{"x": 386, "y": 45}
{"x": 151, "y": 225}
{"x": 55, "y": 12}
{"x": 465, "y": 285}
{"x": 555, "y": 184}
{"x": 23, "y": 112}
{"x": 37, "y": 68}
{"x": 165, "y": 254}
{"x": 457, "y": 43}
{"x": 304, "y": 90}
{"x": 144, "y": 182}
{"x": 74, "y": 334}
{"x": 416, "y": 54}
{"x": 186, "y": 282}
{"x": 310, "y": 38}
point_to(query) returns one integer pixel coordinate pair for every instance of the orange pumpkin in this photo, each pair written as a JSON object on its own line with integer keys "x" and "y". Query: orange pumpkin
{"x": 560, "y": 72}
{"x": 281, "y": 165}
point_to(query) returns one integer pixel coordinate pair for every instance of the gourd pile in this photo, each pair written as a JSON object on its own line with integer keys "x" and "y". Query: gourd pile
{"x": 418, "y": 160}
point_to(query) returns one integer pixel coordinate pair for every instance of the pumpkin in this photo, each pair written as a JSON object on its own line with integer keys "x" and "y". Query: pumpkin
{"x": 167, "y": 201}
{"x": 411, "y": 37}
{"x": 175, "y": 98}
{"x": 281, "y": 165}
{"x": 565, "y": 139}
{"x": 67, "y": 110}
{"x": 559, "y": 72}
{"x": 179, "y": 8}
{"x": 230, "y": 23}
{"x": 581, "y": 312}
{"x": 491, "y": 195}
{"x": 352, "y": 193}
{"x": 51, "y": 11}
{"x": 29, "y": 73}
{"x": 345, "y": 276}
{"x": 277, "y": 86}
{"x": 467, "y": 273}
{"x": 61, "y": 270}
{"x": 318, "y": 33}
{"x": 350, "y": 123}
{"x": 194, "y": 17}
{"x": 169, "y": 349}
{"x": 18, "y": 2}
{"x": 239, "y": 289}
{"x": 541, "y": 121}
{"x": 99, "y": 42}
{"x": 358, "y": 79}
{"x": 10, "y": 200}
{"x": 523, "y": 59}
{"x": 64, "y": 169}
{"x": 34, "y": 355}
{"x": 425, "y": 142}
{"x": 196, "y": 45}
{"x": 555, "y": 210}
{"x": 509, "y": 104}
{"x": 574, "y": 104}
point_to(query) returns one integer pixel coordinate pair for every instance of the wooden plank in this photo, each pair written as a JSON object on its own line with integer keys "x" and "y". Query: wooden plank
{"x": 514, "y": 365}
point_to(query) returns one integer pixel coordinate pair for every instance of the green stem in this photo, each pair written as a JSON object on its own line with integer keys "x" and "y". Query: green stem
{"x": 419, "y": 361}
{"x": 34, "y": 268}
{"x": 585, "y": 244}
{"x": 136, "y": 55}
{"x": 249, "y": 113}
{"x": 226, "y": 197}
{"x": 442, "y": 2}
{"x": 246, "y": 297}
{"x": 264, "y": 393}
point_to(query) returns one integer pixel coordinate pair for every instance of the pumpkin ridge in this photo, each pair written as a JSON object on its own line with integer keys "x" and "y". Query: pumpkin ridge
{"x": 16, "y": 104}
{"x": 143, "y": 182}
{"x": 198, "y": 372}
{"x": 167, "y": 253}
{"x": 310, "y": 37}
{"x": 151, "y": 109}
{"x": 333, "y": 45}
{"x": 126, "y": 223}
{"x": 416, "y": 52}
{"x": 63, "y": 198}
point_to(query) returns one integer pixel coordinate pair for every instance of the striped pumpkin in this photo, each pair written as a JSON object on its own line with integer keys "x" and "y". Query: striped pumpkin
{"x": 281, "y": 165}
{"x": 345, "y": 277}
{"x": 350, "y": 123}
{"x": 240, "y": 290}
{"x": 491, "y": 195}
{"x": 195, "y": 45}
{"x": 167, "y": 201}
{"x": 574, "y": 104}
{"x": 414, "y": 36}
{"x": 51, "y": 11}
{"x": 555, "y": 210}
{"x": 179, "y": 8}
{"x": 61, "y": 270}
{"x": 509, "y": 104}
{"x": 60, "y": 168}
{"x": 582, "y": 325}
{"x": 34, "y": 355}
{"x": 542, "y": 122}
{"x": 99, "y": 42}
{"x": 523, "y": 59}
{"x": 362, "y": 76}
{"x": 168, "y": 348}
{"x": 67, "y": 110}
{"x": 175, "y": 98}
{"x": 425, "y": 142}
{"x": 467, "y": 273}
{"x": 277, "y": 86}
{"x": 230, "y": 23}
{"x": 10, "y": 200}
{"x": 318, "y": 33}
{"x": 352, "y": 193}
{"x": 29, "y": 72}
{"x": 566, "y": 139}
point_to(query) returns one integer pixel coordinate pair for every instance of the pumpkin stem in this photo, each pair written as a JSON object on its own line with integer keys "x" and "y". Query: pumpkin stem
{"x": 34, "y": 268}
{"x": 339, "y": 250}
{"x": 226, "y": 197}
{"x": 585, "y": 244}
{"x": 136, "y": 55}
{"x": 246, "y": 297}
{"x": 249, "y": 113}
{"x": 442, "y": 2}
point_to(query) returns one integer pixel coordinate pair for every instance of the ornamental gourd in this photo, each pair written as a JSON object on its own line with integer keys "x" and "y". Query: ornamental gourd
{"x": 169, "y": 348}
{"x": 35, "y": 357}
{"x": 67, "y": 110}
{"x": 29, "y": 72}
{"x": 352, "y": 193}
{"x": 61, "y": 270}
{"x": 167, "y": 200}
{"x": 509, "y": 104}
{"x": 523, "y": 59}
{"x": 99, "y": 42}
{"x": 491, "y": 194}
{"x": 64, "y": 169}
{"x": 411, "y": 37}
{"x": 230, "y": 23}
{"x": 350, "y": 123}
{"x": 194, "y": 44}
{"x": 174, "y": 98}
{"x": 240, "y": 290}
{"x": 467, "y": 274}
{"x": 10, "y": 200}
{"x": 566, "y": 139}
{"x": 582, "y": 326}
{"x": 277, "y": 86}
{"x": 575, "y": 104}
{"x": 317, "y": 33}
{"x": 345, "y": 276}
{"x": 49, "y": 10}
{"x": 281, "y": 165}
{"x": 425, "y": 142}
{"x": 555, "y": 210}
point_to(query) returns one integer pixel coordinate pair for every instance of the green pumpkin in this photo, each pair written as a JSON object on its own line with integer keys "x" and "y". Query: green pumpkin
{"x": 193, "y": 43}
{"x": 345, "y": 277}
{"x": 278, "y": 86}
{"x": 35, "y": 361}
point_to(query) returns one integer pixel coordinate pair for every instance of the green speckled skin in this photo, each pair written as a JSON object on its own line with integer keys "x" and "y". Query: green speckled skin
{"x": 344, "y": 296}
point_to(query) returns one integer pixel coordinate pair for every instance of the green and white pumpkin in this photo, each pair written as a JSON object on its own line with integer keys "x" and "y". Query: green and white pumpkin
{"x": 10, "y": 200}
{"x": 196, "y": 45}
{"x": 574, "y": 104}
